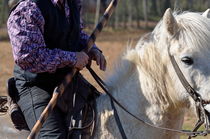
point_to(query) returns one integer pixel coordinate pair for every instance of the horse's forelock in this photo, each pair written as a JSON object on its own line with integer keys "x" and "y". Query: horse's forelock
{"x": 193, "y": 30}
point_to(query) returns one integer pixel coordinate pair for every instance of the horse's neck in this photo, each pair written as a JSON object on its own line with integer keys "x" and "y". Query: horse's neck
{"x": 129, "y": 94}
{"x": 134, "y": 100}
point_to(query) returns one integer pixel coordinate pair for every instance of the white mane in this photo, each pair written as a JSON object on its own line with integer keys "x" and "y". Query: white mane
{"x": 145, "y": 81}
{"x": 150, "y": 62}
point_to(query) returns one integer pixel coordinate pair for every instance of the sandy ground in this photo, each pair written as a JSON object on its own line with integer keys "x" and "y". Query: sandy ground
{"x": 8, "y": 132}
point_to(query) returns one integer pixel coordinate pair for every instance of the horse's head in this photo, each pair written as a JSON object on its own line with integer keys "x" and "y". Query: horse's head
{"x": 186, "y": 36}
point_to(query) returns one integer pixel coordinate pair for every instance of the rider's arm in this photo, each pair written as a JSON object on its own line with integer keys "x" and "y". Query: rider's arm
{"x": 25, "y": 28}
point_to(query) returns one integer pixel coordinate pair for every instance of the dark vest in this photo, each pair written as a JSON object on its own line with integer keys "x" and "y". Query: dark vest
{"x": 58, "y": 33}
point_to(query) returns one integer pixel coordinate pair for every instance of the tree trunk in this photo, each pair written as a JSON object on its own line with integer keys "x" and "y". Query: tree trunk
{"x": 3, "y": 12}
{"x": 130, "y": 13}
{"x": 98, "y": 4}
{"x": 190, "y": 4}
{"x": 205, "y": 2}
{"x": 177, "y": 4}
{"x": 145, "y": 4}
{"x": 154, "y": 7}
{"x": 104, "y": 4}
{"x": 167, "y": 4}
{"x": 138, "y": 12}
{"x": 116, "y": 19}
{"x": 159, "y": 7}
{"x": 208, "y": 3}
{"x": 124, "y": 13}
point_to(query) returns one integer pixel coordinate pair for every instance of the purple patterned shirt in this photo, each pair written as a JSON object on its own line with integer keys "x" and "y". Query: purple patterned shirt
{"x": 25, "y": 28}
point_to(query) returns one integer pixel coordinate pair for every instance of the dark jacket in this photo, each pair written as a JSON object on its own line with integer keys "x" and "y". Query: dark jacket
{"x": 58, "y": 33}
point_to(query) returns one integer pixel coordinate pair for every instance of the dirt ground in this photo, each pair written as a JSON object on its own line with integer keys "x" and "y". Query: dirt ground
{"x": 111, "y": 43}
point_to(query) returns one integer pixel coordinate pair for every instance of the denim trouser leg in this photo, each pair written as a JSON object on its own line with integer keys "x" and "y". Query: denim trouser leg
{"x": 32, "y": 102}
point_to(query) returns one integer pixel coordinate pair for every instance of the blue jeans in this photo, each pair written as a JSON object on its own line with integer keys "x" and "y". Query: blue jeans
{"x": 32, "y": 100}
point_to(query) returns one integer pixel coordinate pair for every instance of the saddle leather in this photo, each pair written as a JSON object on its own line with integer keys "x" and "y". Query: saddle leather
{"x": 78, "y": 102}
{"x": 79, "y": 96}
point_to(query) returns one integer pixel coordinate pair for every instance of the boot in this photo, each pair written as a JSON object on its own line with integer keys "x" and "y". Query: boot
{"x": 14, "y": 111}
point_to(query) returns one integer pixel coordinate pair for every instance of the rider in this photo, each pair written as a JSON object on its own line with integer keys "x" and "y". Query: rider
{"x": 47, "y": 39}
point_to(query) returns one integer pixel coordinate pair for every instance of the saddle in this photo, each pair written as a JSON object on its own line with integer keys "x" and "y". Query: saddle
{"x": 78, "y": 103}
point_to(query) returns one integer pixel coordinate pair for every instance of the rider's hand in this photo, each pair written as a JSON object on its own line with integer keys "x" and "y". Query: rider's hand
{"x": 96, "y": 55}
{"x": 82, "y": 60}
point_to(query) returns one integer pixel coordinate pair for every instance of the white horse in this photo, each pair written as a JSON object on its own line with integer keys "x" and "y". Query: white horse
{"x": 145, "y": 81}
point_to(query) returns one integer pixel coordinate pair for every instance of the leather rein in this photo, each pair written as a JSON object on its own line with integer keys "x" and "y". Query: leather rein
{"x": 201, "y": 112}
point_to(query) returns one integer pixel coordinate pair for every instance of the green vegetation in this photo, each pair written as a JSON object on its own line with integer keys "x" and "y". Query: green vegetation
{"x": 4, "y": 10}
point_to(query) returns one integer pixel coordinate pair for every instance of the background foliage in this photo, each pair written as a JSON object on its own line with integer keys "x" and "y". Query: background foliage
{"x": 129, "y": 14}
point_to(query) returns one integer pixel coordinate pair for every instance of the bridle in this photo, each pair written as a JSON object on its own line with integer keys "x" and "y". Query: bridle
{"x": 199, "y": 102}
{"x": 202, "y": 114}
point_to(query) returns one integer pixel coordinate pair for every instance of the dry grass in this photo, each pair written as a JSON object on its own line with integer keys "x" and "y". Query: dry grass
{"x": 189, "y": 123}
{"x": 6, "y": 65}
{"x": 3, "y": 34}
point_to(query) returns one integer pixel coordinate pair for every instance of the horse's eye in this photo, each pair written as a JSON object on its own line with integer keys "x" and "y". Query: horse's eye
{"x": 187, "y": 60}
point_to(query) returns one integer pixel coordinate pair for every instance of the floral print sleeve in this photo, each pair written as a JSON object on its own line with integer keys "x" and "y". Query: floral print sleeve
{"x": 25, "y": 28}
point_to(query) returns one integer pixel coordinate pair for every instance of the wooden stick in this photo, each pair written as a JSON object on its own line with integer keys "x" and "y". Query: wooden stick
{"x": 60, "y": 89}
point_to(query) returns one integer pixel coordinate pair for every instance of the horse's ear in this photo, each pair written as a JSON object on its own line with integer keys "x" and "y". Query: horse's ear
{"x": 206, "y": 13}
{"x": 170, "y": 22}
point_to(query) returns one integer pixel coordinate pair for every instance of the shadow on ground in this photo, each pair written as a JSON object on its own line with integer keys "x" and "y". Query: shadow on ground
{"x": 7, "y": 131}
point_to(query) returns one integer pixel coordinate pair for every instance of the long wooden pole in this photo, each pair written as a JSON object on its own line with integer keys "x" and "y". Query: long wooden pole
{"x": 60, "y": 89}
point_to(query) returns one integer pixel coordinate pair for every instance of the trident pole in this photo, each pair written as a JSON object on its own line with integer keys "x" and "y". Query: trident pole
{"x": 60, "y": 89}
